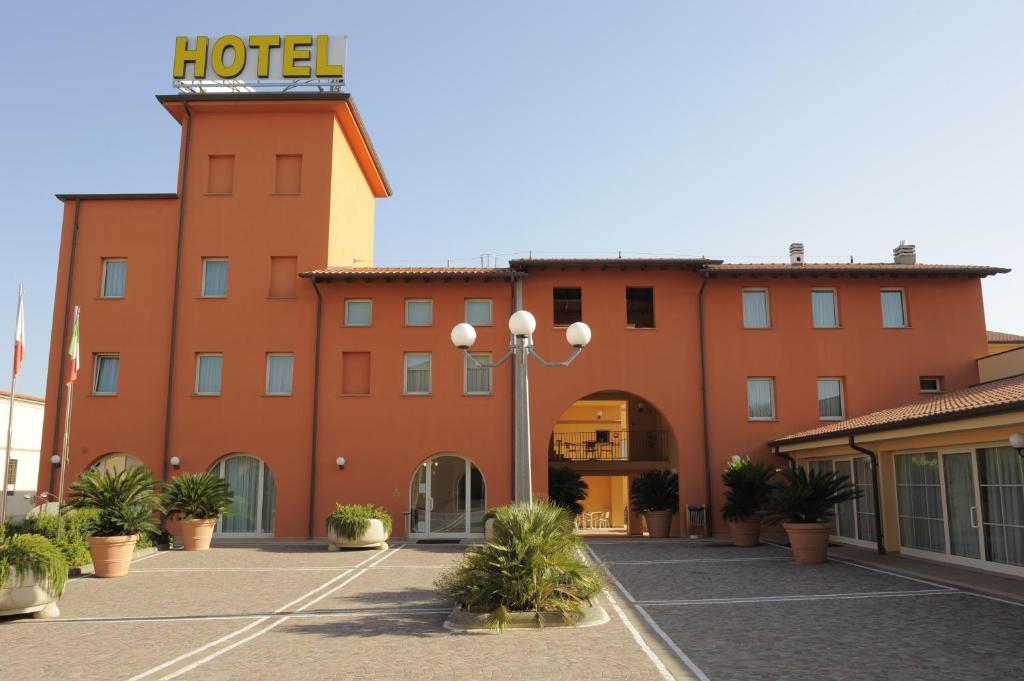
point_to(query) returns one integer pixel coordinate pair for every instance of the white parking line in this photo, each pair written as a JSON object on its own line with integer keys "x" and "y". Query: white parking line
{"x": 282, "y": 620}
{"x": 807, "y": 597}
{"x": 683, "y": 657}
{"x": 693, "y": 560}
{"x": 203, "y": 618}
{"x": 249, "y": 626}
{"x": 295, "y": 569}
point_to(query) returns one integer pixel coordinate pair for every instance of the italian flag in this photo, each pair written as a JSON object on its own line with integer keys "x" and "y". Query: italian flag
{"x": 73, "y": 356}
{"x": 19, "y": 332}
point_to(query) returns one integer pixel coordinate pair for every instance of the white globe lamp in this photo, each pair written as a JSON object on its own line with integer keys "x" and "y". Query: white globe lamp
{"x": 522, "y": 323}
{"x": 578, "y": 335}
{"x": 463, "y": 336}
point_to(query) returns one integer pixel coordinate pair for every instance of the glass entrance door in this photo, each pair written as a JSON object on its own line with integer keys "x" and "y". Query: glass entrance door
{"x": 447, "y": 498}
{"x": 961, "y": 505}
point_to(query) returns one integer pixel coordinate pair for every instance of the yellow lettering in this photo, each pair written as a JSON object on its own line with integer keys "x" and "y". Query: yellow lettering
{"x": 324, "y": 69}
{"x": 263, "y": 43}
{"x": 183, "y": 55}
{"x": 296, "y": 48}
{"x": 220, "y": 47}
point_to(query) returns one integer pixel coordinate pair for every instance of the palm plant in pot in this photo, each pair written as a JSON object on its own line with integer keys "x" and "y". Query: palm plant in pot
{"x": 566, "y": 488}
{"x": 748, "y": 488}
{"x": 805, "y": 502}
{"x": 199, "y": 499}
{"x": 655, "y": 494}
{"x": 125, "y": 501}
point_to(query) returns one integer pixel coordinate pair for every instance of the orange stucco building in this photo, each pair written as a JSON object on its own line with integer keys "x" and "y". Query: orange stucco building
{"x": 239, "y": 325}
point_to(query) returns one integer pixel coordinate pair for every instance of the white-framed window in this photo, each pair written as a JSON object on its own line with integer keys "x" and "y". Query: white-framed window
{"x": 755, "y": 309}
{"x": 417, "y": 373}
{"x": 830, "y": 399}
{"x": 479, "y": 312}
{"x": 855, "y": 518}
{"x": 215, "y": 277}
{"x": 477, "y": 379}
{"x": 209, "y": 367}
{"x": 419, "y": 312}
{"x": 279, "y": 373}
{"x": 930, "y": 384}
{"x": 358, "y": 312}
{"x": 760, "y": 399}
{"x": 105, "y": 369}
{"x": 894, "y": 309}
{"x": 824, "y": 308}
{"x": 115, "y": 272}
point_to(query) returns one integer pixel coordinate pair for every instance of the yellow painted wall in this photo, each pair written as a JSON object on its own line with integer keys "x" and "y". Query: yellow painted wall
{"x": 996, "y": 348}
{"x": 352, "y": 208}
{"x": 607, "y": 493}
{"x": 1001, "y": 365}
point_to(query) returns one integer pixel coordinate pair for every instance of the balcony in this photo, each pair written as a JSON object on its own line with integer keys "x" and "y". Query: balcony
{"x": 609, "y": 445}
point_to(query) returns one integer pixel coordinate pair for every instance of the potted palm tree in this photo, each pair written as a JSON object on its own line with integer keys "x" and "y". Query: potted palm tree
{"x": 125, "y": 501}
{"x": 356, "y": 526}
{"x": 748, "y": 487}
{"x": 805, "y": 503}
{"x": 531, "y": 574}
{"x": 566, "y": 488}
{"x": 199, "y": 500}
{"x": 32, "y": 575}
{"x": 655, "y": 494}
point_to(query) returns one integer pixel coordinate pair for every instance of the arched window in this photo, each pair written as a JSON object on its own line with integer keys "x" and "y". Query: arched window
{"x": 447, "y": 497}
{"x": 118, "y": 461}
{"x": 255, "y": 496}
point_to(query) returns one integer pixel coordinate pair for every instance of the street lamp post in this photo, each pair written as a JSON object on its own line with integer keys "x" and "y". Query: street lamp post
{"x": 522, "y": 325}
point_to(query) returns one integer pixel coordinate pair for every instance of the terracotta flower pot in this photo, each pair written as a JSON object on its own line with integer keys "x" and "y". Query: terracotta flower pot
{"x": 658, "y": 522}
{"x": 197, "y": 534}
{"x": 112, "y": 556}
{"x": 809, "y": 541}
{"x": 746, "y": 532}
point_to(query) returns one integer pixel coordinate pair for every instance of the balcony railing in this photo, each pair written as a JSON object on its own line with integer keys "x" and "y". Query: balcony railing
{"x": 609, "y": 445}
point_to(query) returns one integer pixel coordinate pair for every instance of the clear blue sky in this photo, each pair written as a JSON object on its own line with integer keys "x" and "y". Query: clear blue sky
{"x": 725, "y": 129}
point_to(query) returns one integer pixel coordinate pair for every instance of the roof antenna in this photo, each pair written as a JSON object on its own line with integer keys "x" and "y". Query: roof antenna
{"x": 851, "y": 259}
{"x": 620, "y": 255}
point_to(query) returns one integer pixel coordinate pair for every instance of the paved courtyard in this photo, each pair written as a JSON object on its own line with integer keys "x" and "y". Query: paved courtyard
{"x": 688, "y": 610}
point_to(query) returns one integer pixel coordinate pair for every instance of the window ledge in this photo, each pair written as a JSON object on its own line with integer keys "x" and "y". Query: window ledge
{"x": 276, "y": 395}
{"x": 102, "y": 394}
{"x": 110, "y": 297}
{"x": 641, "y": 328}
{"x": 211, "y": 297}
{"x": 896, "y": 328}
{"x": 206, "y": 394}
{"x": 281, "y": 297}
{"x": 417, "y": 394}
{"x": 286, "y": 193}
{"x": 357, "y": 326}
{"x": 832, "y": 419}
{"x": 827, "y": 328}
{"x": 478, "y": 394}
{"x": 758, "y": 328}
{"x": 753, "y": 420}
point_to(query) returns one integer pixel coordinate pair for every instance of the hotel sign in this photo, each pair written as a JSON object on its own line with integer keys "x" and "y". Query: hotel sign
{"x": 231, "y": 62}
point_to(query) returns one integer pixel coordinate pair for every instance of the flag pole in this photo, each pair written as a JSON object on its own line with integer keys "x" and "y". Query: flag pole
{"x": 73, "y": 354}
{"x": 15, "y": 365}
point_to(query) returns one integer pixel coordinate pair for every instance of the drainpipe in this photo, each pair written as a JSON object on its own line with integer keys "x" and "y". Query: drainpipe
{"x": 64, "y": 334}
{"x": 177, "y": 285}
{"x": 792, "y": 461}
{"x": 316, "y": 405}
{"x": 704, "y": 403}
{"x": 879, "y": 543}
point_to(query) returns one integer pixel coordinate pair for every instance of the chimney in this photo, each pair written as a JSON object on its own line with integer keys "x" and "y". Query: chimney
{"x": 796, "y": 254}
{"x": 904, "y": 254}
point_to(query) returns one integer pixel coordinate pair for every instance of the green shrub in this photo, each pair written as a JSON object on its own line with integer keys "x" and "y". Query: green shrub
{"x": 748, "y": 487}
{"x": 350, "y": 521}
{"x": 532, "y": 564}
{"x": 566, "y": 488}
{"x": 76, "y": 528}
{"x": 197, "y": 496}
{"x": 803, "y": 497}
{"x": 125, "y": 500}
{"x": 35, "y": 555}
{"x": 654, "y": 491}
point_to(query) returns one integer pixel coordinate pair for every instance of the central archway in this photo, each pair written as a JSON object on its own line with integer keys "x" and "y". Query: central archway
{"x": 447, "y": 498}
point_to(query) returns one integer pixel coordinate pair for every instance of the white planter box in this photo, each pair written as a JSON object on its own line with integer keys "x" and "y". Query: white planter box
{"x": 22, "y": 596}
{"x": 374, "y": 537}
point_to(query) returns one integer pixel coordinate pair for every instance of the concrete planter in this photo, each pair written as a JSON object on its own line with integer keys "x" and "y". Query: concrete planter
{"x": 659, "y": 523}
{"x": 27, "y": 595}
{"x": 112, "y": 556}
{"x": 375, "y": 537}
{"x": 746, "y": 532}
{"x": 196, "y": 535}
{"x": 465, "y": 620}
{"x": 809, "y": 541}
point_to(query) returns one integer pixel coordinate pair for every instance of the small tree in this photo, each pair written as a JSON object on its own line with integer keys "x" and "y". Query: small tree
{"x": 748, "y": 486}
{"x": 655, "y": 491}
{"x": 566, "y": 488}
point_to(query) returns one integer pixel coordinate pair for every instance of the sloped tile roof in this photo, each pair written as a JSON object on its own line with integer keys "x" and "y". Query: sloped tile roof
{"x": 1000, "y": 337}
{"x": 1003, "y": 395}
{"x": 853, "y": 268}
{"x": 408, "y": 273}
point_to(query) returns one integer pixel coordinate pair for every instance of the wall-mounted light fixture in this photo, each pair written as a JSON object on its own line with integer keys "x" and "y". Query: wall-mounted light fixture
{"x": 175, "y": 462}
{"x": 55, "y": 459}
{"x": 341, "y": 463}
{"x": 1017, "y": 442}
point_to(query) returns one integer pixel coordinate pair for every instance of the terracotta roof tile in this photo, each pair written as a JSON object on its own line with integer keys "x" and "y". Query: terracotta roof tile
{"x": 695, "y": 263}
{"x": 406, "y": 272}
{"x": 853, "y": 268}
{"x": 1000, "y": 337}
{"x": 993, "y": 396}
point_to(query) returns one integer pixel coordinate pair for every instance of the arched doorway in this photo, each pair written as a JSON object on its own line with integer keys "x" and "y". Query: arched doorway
{"x": 116, "y": 462}
{"x": 255, "y": 496}
{"x": 447, "y": 498}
